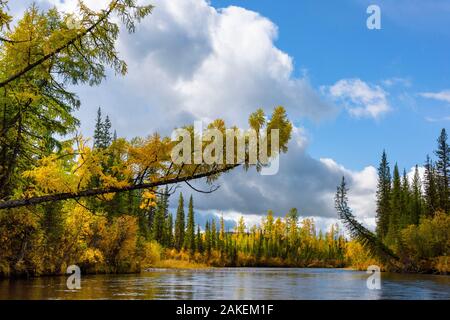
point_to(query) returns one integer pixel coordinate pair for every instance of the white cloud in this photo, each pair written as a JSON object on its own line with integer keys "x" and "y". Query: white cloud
{"x": 190, "y": 61}
{"x": 394, "y": 81}
{"x": 431, "y": 119}
{"x": 360, "y": 98}
{"x": 362, "y": 192}
{"x": 441, "y": 96}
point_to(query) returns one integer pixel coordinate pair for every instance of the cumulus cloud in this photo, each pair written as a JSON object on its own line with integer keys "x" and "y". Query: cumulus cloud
{"x": 441, "y": 95}
{"x": 190, "y": 61}
{"x": 360, "y": 98}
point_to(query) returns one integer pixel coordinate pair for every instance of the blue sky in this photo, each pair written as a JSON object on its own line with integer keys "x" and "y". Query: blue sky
{"x": 329, "y": 40}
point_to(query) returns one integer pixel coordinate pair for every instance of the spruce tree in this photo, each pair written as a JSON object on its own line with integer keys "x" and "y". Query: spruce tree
{"x": 416, "y": 198}
{"x": 405, "y": 205}
{"x": 443, "y": 171}
{"x": 98, "y": 131}
{"x": 159, "y": 222}
{"x": 213, "y": 234}
{"x": 221, "y": 233}
{"x": 383, "y": 196}
{"x": 431, "y": 194}
{"x": 199, "y": 244}
{"x": 190, "y": 229}
{"x": 102, "y": 131}
{"x": 179, "y": 224}
{"x": 107, "y": 136}
{"x": 169, "y": 231}
{"x": 396, "y": 207}
{"x": 207, "y": 242}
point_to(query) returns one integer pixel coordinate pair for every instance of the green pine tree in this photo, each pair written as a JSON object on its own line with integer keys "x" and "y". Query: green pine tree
{"x": 431, "y": 193}
{"x": 383, "y": 196}
{"x": 98, "y": 131}
{"x": 179, "y": 224}
{"x": 199, "y": 242}
{"x": 443, "y": 171}
{"x": 169, "y": 231}
{"x": 190, "y": 229}
{"x": 405, "y": 211}
{"x": 416, "y": 198}
{"x": 396, "y": 207}
{"x": 158, "y": 228}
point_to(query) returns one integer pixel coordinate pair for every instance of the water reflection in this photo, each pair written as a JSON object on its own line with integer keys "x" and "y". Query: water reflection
{"x": 233, "y": 283}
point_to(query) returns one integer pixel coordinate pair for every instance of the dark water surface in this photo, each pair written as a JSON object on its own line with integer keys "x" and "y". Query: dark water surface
{"x": 233, "y": 283}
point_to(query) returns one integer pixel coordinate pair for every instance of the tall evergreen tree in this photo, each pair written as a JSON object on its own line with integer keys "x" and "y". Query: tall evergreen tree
{"x": 207, "y": 243}
{"x": 107, "y": 135}
{"x": 169, "y": 231}
{"x": 405, "y": 205}
{"x": 443, "y": 171}
{"x": 98, "y": 131}
{"x": 416, "y": 197}
{"x": 396, "y": 207}
{"x": 159, "y": 221}
{"x": 383, "y": 196}
{"x": 213, "y": 234}
{"x": 222, "y": 233}
{"x": 179, "y": 224}
{"x": 431, "y": 193}
{"x": 102, "y": 131}
{"x": 199, "y": 242}
{"x": 190, "y": 229}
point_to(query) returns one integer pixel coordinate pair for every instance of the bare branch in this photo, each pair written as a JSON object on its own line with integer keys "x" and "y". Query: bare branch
{"x": 202, "y": 191}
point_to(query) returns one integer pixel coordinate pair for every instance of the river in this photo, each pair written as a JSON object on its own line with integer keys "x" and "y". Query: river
{"x": 233, "y": 283}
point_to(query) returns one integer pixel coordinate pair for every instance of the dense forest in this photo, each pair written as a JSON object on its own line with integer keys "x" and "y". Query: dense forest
{"x": 413, "y": 215}
{"x": 275, "y": 242}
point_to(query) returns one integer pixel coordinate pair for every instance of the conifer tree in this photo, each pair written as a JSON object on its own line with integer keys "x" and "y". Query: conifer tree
{"x": 431, "y": 193}
{"x": 396, "y": 207}
{"x": 179, "y": 224}
{"x": 102, "y": 131}
{"x": 383, "y": 196}
{"x": 221, "y": 233}
{"x": 443, "y": 171}
{"x": 416, "y": 195}
{"x": 190, "y": 229}
{"x": 98, "y": 131}
{"x": 207, "y": 242}
{"x": 107, "y": 136}
{"x": 169, "y": 231}
{"x": 405, "y": 205}
{"x": 199, "y": 242}
{"x": 159, "y": 222}
{"x": 213, "y": 234}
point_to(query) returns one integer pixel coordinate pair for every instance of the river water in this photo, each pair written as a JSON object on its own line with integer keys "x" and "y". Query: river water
{"x": 233, "y": 283}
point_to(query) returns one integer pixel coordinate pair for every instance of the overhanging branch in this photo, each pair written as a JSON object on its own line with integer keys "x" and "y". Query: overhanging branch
{"x": 95, "y": 192}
